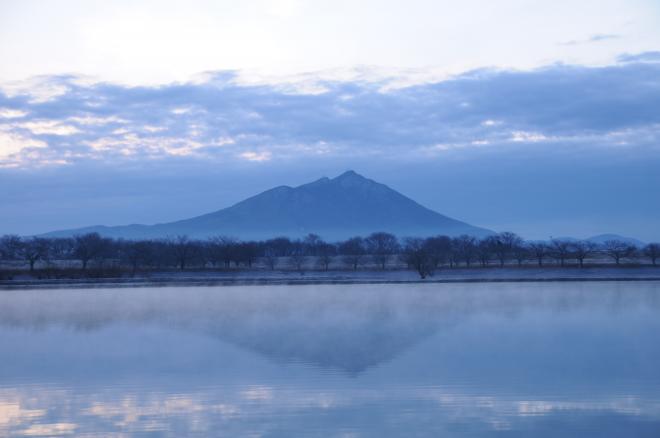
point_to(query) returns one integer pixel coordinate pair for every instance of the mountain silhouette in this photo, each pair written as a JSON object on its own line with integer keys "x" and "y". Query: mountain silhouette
{"x": 336, "y": 208}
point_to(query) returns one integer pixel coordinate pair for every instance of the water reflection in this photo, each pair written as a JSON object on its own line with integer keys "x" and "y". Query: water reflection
{"x": 547, "y": 359}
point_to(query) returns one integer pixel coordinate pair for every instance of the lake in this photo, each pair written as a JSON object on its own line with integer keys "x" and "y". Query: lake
{"x": 564, "y": 359}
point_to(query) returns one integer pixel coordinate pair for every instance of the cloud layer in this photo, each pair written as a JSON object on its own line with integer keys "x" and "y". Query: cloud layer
{"x": 67, "y": 121}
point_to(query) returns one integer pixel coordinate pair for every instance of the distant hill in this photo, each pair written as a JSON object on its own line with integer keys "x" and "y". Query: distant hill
{"x": 337, "y": 208}
{"x": 601, "y": 238}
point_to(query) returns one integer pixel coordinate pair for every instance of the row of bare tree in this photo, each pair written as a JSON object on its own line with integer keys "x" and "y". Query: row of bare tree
{"x": 424, "y": 255}
{"x": 427, "y": 255}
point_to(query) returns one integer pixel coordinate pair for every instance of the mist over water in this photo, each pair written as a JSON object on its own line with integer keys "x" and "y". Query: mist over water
{"x": 504, "y": 359}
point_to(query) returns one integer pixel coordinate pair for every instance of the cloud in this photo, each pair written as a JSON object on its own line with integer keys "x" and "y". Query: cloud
{"x": 592, "y": 39}
{"x": 54, "y": 429}
{"x": 221, "y": 120}
{"x": 182, "y": 110}
{"x": 603, "y": 37}
{"x": 256, "y": 156}
{"x": 640, "y": 57}
{"x": 90, "y": 120}
{"x": 6, "y": 113}
{"x": 39, "y": 89}
{"x": 53, "y": 127}
{"x": 13, "y": 143}
{"x": 528, "y": 137}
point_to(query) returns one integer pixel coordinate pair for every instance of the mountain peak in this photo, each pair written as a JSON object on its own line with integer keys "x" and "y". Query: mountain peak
{"x": 349, "y": 174}
{"x": 351, "y": 178}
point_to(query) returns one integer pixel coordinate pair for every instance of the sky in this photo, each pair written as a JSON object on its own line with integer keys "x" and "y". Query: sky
{"x": 539, "y": 117}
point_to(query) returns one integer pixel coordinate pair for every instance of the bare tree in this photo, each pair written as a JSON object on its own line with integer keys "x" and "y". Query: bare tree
{"x": 326, "y": 253}
{"x": 454, "y": 254}
{"x": 416, "y": 255}
{"x": 90, "y": 246}
{"x": 311, "y": 244}
{"x": 582, "y": 249}
{"x": 215, "y": 250}
{"x": 137, "y": 253}
{"x": 521, "y": 252}
{"x": 161, "y": 254}
{"x": 353, "y": 251}
{"x": 484, "y": 251}
{"x": 247, "y": 252}
{"x": 652, "y": 251}
{"x": 540, "y": 251}
{"x": 560, "y": 250}
{"x": 382, "y": 246}
{"x": 61, "y": 248}
{"x": 618, "y": 250}
{"x": 182, "y": 249}
{"x": 30, "y": 250}
{"x": 466, "y": 247}
{"x": 298, "y": 260}
{"x": 280, "y": 246}
{"x": 269, "y": 258}
{"x": 10, "y": 246}
{"x": 223, "y": 249}
{"x": 504, "y": 245}
{"x": 439, "y": 249}
{"x": 423, "y": 255}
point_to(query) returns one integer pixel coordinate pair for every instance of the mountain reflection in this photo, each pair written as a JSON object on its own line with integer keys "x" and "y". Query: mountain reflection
{"x": 348, "y": 327}
{"x": 545, "y": 359}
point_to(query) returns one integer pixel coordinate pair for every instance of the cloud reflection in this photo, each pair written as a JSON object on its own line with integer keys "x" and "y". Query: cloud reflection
{"x": 227, "y": 411}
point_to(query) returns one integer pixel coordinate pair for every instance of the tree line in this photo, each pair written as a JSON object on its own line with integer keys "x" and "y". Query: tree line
{"x": 377, "y": 250}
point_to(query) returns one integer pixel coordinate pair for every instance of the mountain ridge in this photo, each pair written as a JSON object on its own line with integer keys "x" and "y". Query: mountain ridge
{"x": 336, "y": 208}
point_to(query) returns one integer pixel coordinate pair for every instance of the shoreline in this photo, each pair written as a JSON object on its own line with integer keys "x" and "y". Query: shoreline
{"x": 286, "y": 278}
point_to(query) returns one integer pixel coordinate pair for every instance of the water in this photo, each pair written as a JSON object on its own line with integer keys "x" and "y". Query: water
{"x": 457, "y": 360}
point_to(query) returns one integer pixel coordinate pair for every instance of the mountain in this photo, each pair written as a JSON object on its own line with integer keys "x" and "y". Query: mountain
{"x": 337, "y": 208}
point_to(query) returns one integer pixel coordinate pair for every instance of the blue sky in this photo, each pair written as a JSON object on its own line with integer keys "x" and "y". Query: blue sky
{"x": 540, "y": 119}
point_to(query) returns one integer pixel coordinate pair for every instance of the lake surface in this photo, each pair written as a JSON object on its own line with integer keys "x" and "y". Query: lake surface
{"x": 451, "y": 360}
